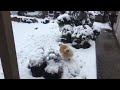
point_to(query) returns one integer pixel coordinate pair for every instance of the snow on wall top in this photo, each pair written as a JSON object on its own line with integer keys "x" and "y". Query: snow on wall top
{"x": 22, "y": 17}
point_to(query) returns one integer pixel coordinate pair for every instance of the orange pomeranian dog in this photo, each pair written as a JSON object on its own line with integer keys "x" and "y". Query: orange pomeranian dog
{"x": 65, "y": 51}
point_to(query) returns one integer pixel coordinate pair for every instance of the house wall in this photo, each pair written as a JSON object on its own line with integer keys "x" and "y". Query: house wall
{"x": 117, "y": 27}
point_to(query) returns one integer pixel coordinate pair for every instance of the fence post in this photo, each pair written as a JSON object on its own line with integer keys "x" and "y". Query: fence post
{"x": 7, "y": 47}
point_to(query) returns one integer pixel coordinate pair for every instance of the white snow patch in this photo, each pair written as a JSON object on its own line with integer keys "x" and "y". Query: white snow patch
{"x": 101, "y": 26}
{"x": 52, "y": 67}
{"x": 52, "y": 55}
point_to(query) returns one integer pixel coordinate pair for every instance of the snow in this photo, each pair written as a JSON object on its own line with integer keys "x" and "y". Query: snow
{"x": 35, "y": 56}
{"x": 45, "y": 19}
{"x": 52, "y": 67}
{"x": 101, "y": 26}
{"x": 83, "y": 64}
{"x": 80, "y": 30}
{"x": 27, "y": 39}
{"x": 28, "y": 13}
{"x": 83, "y": 22}
{"x": 63, "y": 16}
{"x": 26, "y": 19}
{"x": 52, "y": 56}
{"x": 23, "y": 17}
{"x": 67, "y": 29}
{"x": 28, "y": 42}
{"x": 74, "y": 43}
{"x": 88, "y": 30}
{"x": 93, "y": 14}
{"x": 33, "y": 13}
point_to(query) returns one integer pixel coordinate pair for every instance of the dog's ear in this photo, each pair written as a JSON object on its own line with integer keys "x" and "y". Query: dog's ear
{"x": 60, "y": 43}
{"x": 66, "y": 50}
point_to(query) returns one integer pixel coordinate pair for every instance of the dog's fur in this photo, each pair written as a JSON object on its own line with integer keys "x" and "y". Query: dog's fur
{"x": 65, "y": 51}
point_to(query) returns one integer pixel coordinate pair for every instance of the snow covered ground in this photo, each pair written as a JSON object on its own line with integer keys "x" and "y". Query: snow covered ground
{"x": 28, "y": 39}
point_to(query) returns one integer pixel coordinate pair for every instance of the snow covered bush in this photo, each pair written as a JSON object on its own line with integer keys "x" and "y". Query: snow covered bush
{"x": 45, "y": 21}
{"x": 81, "y": 35}
{"x": 81, "y": 18}
{"x": 76, "y": 27}
{"x": 37, "y": 66}
{"x": 99, "y": 18}
{"x": 62, "y": 12}
{"x": 66, "y": 30}
{"x": 102, "y": 16}
{"x": 86, "y": 45}
{"x": 53, "y": 70}
{"x": 15, "y": 19}
{"x": 64, "y": 19}
{"x": 96, "y": 33}
{"x": 36, "y": 62}
{"x": 52, "y": 54}
{"x": 21, "y": 13}
{"x": 92, "y": 14}
{"x": 78, "y": 17}
{"x": 77, "y": 35}
{"x": 83, "y": 31}
{"x": 56, "y": 14}
{"x": 38, "y": 69}
{"x": 48, "y": 66}
{"x": 26, "y": 20}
